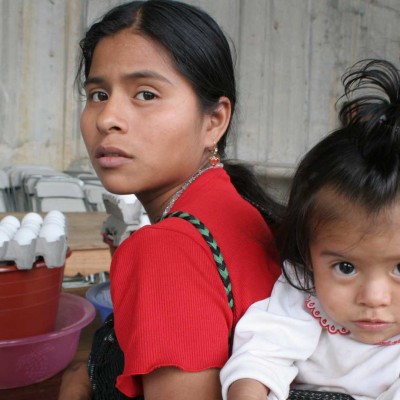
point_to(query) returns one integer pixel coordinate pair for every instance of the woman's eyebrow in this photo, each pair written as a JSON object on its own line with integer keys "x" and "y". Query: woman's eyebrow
{"x": 147, "y": 74}
{"x": 129, "y": 76}
{"x": 95, "y": 80}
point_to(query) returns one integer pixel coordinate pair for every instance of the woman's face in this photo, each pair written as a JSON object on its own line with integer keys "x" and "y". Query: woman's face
{"x": 142, "y": 124}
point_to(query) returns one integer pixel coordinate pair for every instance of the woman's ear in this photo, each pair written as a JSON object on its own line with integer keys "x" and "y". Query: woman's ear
{"x": 218, "y": 121}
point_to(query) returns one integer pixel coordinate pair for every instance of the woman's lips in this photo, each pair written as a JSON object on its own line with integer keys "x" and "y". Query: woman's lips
{"x": 111, "y": 157}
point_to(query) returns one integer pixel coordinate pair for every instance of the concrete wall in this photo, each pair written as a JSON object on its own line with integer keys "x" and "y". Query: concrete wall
{"x": 290, "y": 56}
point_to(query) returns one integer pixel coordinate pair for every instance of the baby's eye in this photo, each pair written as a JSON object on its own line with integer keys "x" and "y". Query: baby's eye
{"x": 98, "y": 96}
{"x": 145, "y": 95}
{"x": 345, "y": 268}
{"x": 396, "y": 270}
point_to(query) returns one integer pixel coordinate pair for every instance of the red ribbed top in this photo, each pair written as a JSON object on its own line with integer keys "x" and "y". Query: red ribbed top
{"x": 170, "y": 305}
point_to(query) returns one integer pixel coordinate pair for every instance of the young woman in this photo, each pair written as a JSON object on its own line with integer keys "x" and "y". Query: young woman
{"x": 332, "y": 322}
{"x": 160, "y": 88}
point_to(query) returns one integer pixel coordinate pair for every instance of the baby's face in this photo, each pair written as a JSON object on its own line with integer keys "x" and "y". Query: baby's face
{"x": 356, "y": 266}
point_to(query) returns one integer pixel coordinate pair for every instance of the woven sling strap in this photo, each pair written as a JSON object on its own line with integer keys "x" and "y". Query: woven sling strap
{"x": 215, "y": 250}
{"x": 311, "y": 395}
{"x": 106, "y": 360}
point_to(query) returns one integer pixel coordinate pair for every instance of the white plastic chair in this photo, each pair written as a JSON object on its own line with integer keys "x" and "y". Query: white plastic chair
{"x": 16, "y": 173}
{"x": 61, "y": 193}
{"x": 5, "y": 199}
{"x": 29, "y": 183}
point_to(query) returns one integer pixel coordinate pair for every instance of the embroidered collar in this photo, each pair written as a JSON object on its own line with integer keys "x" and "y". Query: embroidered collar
{"x": 316, "y": 311}
{"x": 388, "y": 342}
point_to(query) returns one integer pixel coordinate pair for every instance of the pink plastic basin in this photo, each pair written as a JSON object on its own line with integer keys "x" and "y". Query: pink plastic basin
{"x": 35, "y": 358}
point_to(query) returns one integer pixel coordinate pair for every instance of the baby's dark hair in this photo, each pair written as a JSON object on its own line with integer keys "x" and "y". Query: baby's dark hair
{"x": 359, "y": 162}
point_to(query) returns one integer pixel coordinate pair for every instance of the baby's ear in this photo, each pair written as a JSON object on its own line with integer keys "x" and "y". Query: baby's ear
{"x": 218, "y": 121}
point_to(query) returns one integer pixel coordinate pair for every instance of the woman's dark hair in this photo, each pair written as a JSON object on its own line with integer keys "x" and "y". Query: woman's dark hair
{"x": 202, "y": 55}
{"x": 359, "y": 162}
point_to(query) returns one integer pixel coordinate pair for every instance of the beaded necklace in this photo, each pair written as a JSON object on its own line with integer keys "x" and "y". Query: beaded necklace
{"x": 176, "y": 196}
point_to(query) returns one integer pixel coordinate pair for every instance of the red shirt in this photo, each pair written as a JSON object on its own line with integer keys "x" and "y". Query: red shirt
{"x": 170, "y": 305}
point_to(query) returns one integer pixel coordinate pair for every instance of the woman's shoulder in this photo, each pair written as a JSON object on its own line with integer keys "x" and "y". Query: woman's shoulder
{"x": 164, "y": 241}
{"x": 214, "y": 200}
{"x": 178, "y": 228}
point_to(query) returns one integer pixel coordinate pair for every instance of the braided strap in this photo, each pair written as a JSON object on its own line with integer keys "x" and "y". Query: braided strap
{"x": 218, "y": 258}
{"x": 311, "y": 395}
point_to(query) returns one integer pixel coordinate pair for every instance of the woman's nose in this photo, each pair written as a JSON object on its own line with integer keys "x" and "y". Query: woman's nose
{"x": 112, "y": 117}
{"x": 375, "y": 293}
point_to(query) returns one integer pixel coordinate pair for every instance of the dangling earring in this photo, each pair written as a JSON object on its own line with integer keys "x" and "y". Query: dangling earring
{"x": 214, "y": 158}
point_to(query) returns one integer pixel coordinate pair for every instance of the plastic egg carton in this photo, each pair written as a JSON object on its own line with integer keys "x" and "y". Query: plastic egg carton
{"x": 126, "y": 208}
{"x": 23, "y": 242}
{"x": 126, "y": 216}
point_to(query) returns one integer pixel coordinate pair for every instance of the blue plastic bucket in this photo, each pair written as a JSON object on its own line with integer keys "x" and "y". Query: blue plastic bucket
{"x": 99, "y": 296}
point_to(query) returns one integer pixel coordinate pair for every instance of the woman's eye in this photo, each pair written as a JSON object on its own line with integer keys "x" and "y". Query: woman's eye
{"x": 145, "y": 95}
{"x": 98, "y": 96}
{"x": 345, "y": 268}
{"x": 396, "y": 270}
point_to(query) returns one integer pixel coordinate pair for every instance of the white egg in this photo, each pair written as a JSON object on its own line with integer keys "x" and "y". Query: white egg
{"x": 53, "y": 220}
{"x": 51, "y": 232}
{"x": 24, "y": 236}
{"x": 33, "y": 226}
{"x": 7, "y": 230}
{"x": 11, "y": 223}
{"x": 10, "y": 228}
{"x": 3, "y": 239}
{"x": 32, "y": 217}
{"x": 55, "y": 216}
{"x": 55, "y": 213}
{"x": 11, "y": 220}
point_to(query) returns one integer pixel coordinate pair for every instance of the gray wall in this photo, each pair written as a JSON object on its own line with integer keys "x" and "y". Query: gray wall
{"x": 290, "y": 56}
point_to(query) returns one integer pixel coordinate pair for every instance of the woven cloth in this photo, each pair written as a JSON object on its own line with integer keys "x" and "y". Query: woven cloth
{"x": 311, "y": 395}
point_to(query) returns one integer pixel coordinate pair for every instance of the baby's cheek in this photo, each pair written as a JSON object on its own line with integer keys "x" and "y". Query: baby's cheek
{"x": 333, "y": 306}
